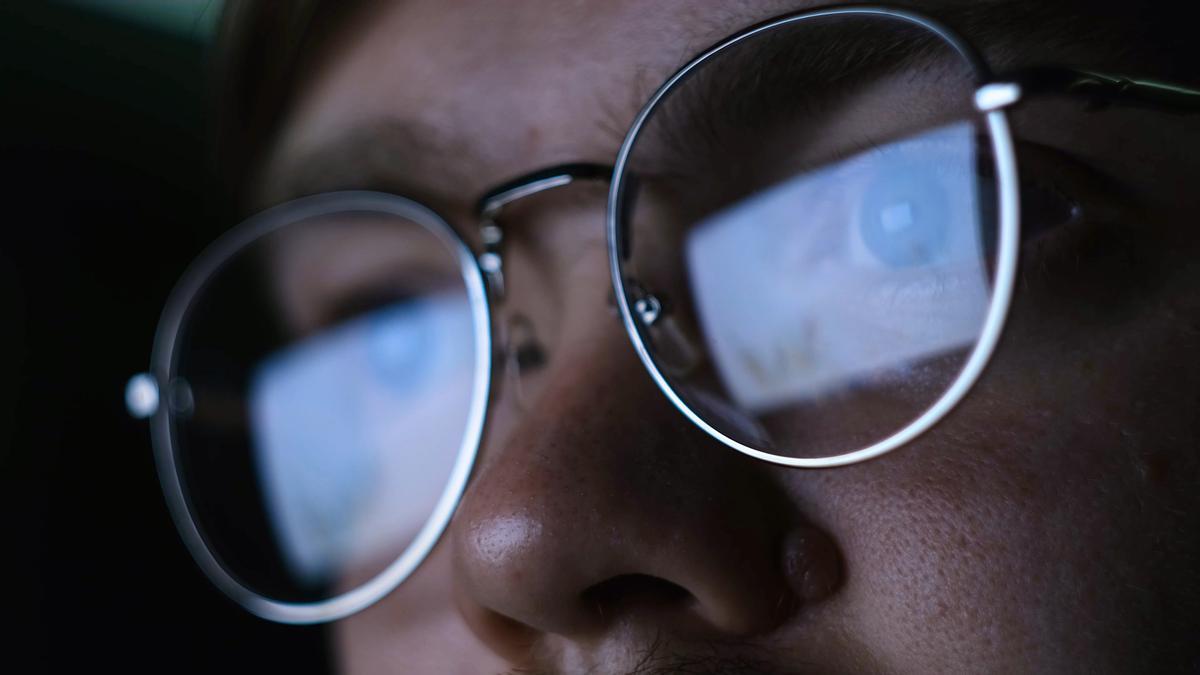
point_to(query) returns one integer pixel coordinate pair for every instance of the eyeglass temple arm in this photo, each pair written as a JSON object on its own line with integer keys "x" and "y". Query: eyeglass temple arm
{"x": 493, "y": 201}
{"x": 1104, "y": 90}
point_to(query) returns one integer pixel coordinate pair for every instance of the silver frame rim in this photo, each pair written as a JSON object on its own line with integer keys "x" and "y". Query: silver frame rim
{"x": 1006, "y": 267}
{"x": 163, "y": 370}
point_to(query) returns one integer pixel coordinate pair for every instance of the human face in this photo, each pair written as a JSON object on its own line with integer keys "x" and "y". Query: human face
{"x": 1047, "y": 525}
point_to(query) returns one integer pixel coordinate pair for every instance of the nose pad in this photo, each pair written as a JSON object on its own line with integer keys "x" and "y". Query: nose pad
{"x": 603, "y": 506}
{"x": 675, "y": 353}
{"x": 682, "y": 357}
{"x": 521, "y": 353}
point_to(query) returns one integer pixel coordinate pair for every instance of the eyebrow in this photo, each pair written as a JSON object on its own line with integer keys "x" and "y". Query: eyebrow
{"x": 391, "y": 154}
{"x": 770, "y": 80}
{"x": 777, "y": 93}
{"x": 799, "y": 72}
{"x": 387, "y": 155}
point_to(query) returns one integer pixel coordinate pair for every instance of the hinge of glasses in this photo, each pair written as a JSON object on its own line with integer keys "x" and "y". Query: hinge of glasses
{"x": 997, "y": 96}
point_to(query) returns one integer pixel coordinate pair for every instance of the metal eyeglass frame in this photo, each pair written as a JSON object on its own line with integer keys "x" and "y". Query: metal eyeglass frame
{"x": 143, "y": 400}
{"x": 483, "y": 276}
{"x": 993, "y": 96}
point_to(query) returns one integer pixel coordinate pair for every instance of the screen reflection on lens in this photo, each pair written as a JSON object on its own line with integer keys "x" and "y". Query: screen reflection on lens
{"x": 333, "y": 366}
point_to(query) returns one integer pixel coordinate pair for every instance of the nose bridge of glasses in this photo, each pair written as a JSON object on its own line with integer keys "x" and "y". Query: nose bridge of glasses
{"x": 491, "y": 259}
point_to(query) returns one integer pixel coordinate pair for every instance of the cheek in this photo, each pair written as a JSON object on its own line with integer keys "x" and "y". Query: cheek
{"x": 416, "y": 628}
{"x": 1026, "y": 532}
{"x": 973, "y": 560}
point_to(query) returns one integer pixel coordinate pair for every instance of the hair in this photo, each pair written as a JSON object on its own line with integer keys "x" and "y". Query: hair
{"x": 262, "y": 47}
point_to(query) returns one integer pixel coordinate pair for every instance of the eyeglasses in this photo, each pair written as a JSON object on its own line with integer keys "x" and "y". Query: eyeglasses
{"x": 325, "y": 369}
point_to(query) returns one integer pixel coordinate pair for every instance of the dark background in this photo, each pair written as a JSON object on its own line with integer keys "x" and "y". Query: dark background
{"x": 108, "y": 193}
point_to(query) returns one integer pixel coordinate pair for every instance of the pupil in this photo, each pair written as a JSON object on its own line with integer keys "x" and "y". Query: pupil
{"x": 904, "y": 217}
{"x": 400, "y": 343}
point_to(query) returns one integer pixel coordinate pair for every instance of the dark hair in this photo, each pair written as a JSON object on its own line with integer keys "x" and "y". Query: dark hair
{"x": 261, "y": 49}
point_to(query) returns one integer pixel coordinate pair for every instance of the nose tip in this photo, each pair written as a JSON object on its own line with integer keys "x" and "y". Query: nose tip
{"x": 567, "y": 574}
{"x": 604, "y": 507}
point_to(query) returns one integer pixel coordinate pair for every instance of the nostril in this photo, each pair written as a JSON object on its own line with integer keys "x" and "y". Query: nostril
{"x": 635, "y": 592}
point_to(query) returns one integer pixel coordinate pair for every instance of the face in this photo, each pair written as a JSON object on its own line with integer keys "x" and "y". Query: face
{"x": 1047, "y": 525}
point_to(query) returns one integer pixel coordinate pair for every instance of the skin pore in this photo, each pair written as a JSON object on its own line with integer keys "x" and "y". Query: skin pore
{"x": 1048, "y": 525}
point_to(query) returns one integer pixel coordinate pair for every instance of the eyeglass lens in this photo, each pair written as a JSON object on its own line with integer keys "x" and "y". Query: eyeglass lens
{"x": 822, "y": 250}
{"x": 324, "y": 380}
{"x": 814, "y": 257}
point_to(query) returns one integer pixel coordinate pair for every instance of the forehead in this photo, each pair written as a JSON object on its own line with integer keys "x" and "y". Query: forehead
{"x": 473, "y": 92}
{"x": 514, "y": 85}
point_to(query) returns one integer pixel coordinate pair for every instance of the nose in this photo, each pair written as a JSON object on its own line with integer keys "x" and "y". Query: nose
{"x": 603, "y": 506}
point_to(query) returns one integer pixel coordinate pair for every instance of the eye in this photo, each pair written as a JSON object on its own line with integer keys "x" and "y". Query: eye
{"x": 922, "y": 204}
{"x": 400, "y": 343}
{"x": 1044, "y": 208}
{"x": 916, "y": 203}
{"x": 906, "y": 215}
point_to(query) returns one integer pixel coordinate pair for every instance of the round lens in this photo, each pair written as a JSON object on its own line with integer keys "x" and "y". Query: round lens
{"x": 324, "y": 400}
{"x": 807, "y": 243}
